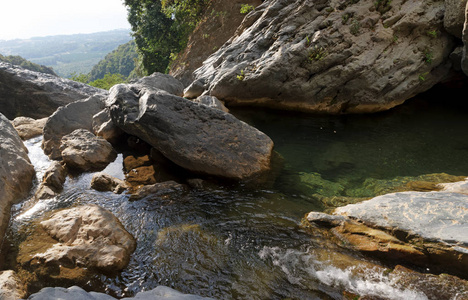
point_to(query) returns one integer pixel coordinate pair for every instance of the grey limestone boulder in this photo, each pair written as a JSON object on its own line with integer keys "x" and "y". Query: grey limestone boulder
{"x": 454, "y": 17}
{"x": 37, "y": 95}
{"x": 16, "y": 171}
{"x": 76, "y": 115}
{"x": 82, "y": 150}
{"x": 195, "y": 137}
{"x": 440, "y": 216}
{"x": 331, "y": 56}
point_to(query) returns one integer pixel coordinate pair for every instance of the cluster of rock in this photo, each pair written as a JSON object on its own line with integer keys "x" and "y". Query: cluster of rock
{"x": 336, "y": 56}
{"x": 426, "y": 229}
{"x": 167, "y": 132}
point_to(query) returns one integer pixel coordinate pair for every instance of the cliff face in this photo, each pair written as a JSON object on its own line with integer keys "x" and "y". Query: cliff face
{"x": 218, "y": 25}
{"x": 331, "y": 56}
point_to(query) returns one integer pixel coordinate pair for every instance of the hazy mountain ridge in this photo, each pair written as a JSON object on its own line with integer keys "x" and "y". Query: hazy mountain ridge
{"x": 67, "y": 54}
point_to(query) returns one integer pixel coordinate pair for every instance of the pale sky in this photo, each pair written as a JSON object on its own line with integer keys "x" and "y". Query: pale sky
{"x": 30, "y": 18}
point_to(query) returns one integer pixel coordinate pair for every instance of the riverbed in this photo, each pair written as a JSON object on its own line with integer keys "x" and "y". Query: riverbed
{"x": 236, "y": 241}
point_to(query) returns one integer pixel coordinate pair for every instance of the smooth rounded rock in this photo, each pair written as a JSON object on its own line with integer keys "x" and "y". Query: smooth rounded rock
{"x": 83, "y": 151}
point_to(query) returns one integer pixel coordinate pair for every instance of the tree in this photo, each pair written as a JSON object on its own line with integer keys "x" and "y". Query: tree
{"x": 161, "y": 28}
{"x": 153, "y": 33}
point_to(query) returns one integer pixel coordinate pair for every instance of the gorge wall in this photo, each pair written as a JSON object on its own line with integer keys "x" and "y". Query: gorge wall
{"x": 332, "y": 56}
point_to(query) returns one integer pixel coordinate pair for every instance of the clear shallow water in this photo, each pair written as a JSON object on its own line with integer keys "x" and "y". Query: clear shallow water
{"x": 233, "y": 242}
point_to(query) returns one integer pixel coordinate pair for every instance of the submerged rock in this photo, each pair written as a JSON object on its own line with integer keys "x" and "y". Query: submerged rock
{"x": 76, "y": 115}
{"x": 161, "y": 190}
{"x": 195, "y": 137}
{"x": 83, "y": 151}
{"x": 28, "y": 127}
{"x": 16, "y": 171}
{"x": 75, "y": 293}
{"x": 105, "y": 183}
{"x": 70, "y": 244}
{"x": 52, "y": 181}
{"x": 331, "y": 56}
{"x": 37, "y": 95}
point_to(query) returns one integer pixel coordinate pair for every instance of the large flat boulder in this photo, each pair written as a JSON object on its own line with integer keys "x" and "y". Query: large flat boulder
{"x": 195, "y": 137}
{"x": 331, "y": 56}
{"x": 37, "y": 95}
{"x": 70, "y": 245}
{"x": 426, "y": 229}
{"x": 16, "y": 171}
{"x": 437, "y": 216}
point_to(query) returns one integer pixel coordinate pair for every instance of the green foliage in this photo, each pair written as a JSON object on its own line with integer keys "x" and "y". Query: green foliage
{"x": 317, "y": 53}
{"x": 355, "y": 27}
{"x": 120, "y": 61}
{"x": 432, "y": 33}
{"x": 241, "y": 76}
{"x": 422, "y": 77}
{"x": 68, "y": 53}
{"x": 428, "y": 56}
{"x": 108, "y": 81}
{"x": 345, "y": 18}
{"x": 161, "y": 28}
{"x": 382, "y": 6}
{"x": 246, "y": 8}
{"x": 83, "y": 78}
{"x": 20, "y": 61}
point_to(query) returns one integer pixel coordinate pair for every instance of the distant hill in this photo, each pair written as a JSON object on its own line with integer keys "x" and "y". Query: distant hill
{"x": 120, "y": 61}
{"x": 67, "y": 54}
{"x": 19, "y": 61}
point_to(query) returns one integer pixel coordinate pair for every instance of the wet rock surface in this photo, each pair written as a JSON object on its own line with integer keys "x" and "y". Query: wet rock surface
{"x": 52, "y": 181}
{"x": 331, "y": 57}
{"x": 37, "y": 95}
{"x": 194, "y": 137}
{"x": 16, "y": 171}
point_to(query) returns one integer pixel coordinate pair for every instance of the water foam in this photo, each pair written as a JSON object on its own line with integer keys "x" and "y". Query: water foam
{"x": 302, "y": 267}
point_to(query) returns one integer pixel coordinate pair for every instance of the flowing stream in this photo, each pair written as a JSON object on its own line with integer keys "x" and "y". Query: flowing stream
{"x": 239, "y": 242}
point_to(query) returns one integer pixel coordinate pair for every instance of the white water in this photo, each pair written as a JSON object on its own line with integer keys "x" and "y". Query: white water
{"x": 303, "y": 267}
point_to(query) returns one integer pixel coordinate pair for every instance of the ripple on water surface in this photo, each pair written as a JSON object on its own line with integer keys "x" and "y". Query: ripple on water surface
{"x": 234, "y": 242}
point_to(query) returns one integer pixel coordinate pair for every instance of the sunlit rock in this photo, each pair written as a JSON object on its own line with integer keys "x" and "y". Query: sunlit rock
{"x": 28, "y": 127}
{"x": 82, "y": 150}
{"x": 11, "y": 287}
{"x": 76, "y": 115}
{"x": 195, "y": 137}
{"x": 331, "y": 57}
{"x": 71, "y": 244}
{"x": 16, "y": 171}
